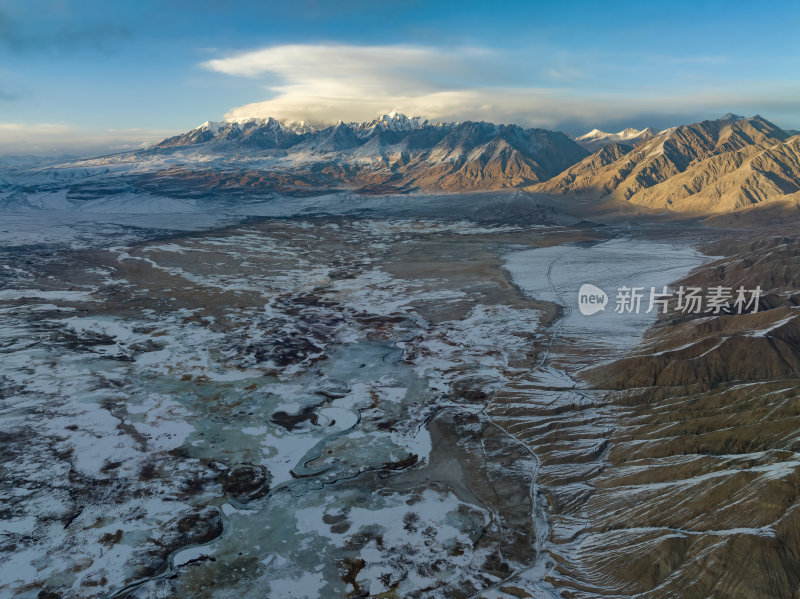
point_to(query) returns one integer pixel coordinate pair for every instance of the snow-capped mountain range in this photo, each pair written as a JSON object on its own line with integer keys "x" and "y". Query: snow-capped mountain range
{"x": 392, "y": 151}
{"x": 271, "y": 133}
{"x": 397, "y": 154}
{"x": 268, "y": 133}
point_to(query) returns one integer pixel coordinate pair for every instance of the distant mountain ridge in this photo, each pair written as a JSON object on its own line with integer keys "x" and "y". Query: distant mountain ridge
{"x": 712, "y": 166}
{"x": 392, "y": 150}
{"x": 717, "y": 165}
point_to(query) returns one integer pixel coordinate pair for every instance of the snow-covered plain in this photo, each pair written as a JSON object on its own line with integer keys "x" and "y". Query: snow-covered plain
{"x": 270, "y": 409}
{"x": 126, "y": 415}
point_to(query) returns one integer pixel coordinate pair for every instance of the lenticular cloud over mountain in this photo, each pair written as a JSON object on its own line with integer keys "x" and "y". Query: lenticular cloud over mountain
{"x": 324, "y": 83}
{"x": 331, "y": 82}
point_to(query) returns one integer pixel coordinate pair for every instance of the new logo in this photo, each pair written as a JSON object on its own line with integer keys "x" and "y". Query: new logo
{"x": 591, "y": 299}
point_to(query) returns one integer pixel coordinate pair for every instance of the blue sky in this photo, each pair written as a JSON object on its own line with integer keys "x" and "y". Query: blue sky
{"x": 93, "y": 76}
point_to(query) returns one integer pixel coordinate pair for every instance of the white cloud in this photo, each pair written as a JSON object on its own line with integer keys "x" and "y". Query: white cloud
{"x": 20, "y": 129}
{"x": 330, "y": 82}
{"x": 353, "y": 63}
{"x": 324, "y": 83}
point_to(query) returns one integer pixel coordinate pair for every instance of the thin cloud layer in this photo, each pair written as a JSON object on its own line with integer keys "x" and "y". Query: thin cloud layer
{"x": 53, "y": 139}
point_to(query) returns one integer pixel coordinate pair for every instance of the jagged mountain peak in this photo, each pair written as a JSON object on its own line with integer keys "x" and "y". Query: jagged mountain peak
{"x": 625, "y": 133}
{"x": 734, "y": 117}
{"x": 596, "y": 139}
{"x": 216, "y": 127}
{"x": 592, "y": 134}
{"x": 398, "y": 120}
{"x": 393, "y": 122}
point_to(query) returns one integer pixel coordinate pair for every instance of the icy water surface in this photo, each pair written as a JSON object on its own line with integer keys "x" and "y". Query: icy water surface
{"x": 556, "y": 274}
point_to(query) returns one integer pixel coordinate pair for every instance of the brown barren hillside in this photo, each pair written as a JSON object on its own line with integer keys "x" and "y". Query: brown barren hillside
{"x": 708, "y": 167}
